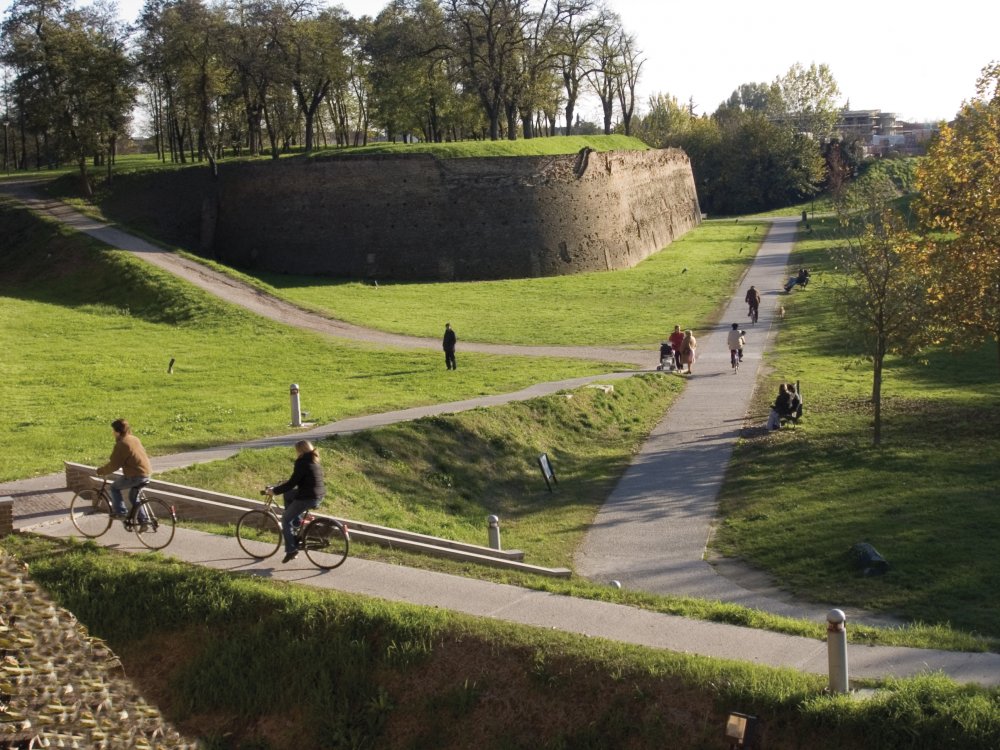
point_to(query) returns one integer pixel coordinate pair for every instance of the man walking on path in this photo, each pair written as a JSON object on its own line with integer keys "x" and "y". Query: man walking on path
{"x": 448, "y": 344}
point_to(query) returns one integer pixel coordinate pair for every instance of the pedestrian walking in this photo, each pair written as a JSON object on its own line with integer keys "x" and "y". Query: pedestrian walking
{"x": 448, "y": 344}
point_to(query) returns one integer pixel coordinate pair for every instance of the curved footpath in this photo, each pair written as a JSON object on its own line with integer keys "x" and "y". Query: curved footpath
{"x": 650, "y": 535}
{"x": 263, "y": 304}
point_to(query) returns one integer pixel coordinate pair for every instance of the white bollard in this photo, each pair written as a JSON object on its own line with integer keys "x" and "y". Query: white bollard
{"x": 494, "y": 532}
{"x": 836, "y": 647}
{"x": 293, "y": 391}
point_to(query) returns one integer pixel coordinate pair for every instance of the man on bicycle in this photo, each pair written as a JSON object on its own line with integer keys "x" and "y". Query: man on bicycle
{"x": 129, "y": 456}
{"x": 753, "y": 302}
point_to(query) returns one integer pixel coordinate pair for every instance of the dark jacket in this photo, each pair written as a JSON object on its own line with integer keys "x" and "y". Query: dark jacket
{"x": 448, "y": 344}
{"x": 307, "y": 478}
{"x": 783, "y": 404}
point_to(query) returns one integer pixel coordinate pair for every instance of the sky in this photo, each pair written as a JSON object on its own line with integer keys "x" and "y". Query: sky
{"x": 913, "y": 59}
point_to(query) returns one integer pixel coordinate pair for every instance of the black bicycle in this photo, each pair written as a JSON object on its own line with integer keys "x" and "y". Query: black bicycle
{"x": 152, "y": 520}
{"x": 326, "y": 541}
{"x": 753, "y": 314}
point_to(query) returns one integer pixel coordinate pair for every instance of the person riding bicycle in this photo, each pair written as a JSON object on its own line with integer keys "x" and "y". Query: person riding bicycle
{"x": 753, "y": 301}
{"x": 129, "y": 456}
{"x": 735, "y": 341}
{"x": 302, "y": 492}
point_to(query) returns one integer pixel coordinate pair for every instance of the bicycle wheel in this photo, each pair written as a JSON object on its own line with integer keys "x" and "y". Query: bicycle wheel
{"x": 259, "y": 533}
{"x": 90, "y": 512}
{"x": 154, "y": 523}
{"x": 753, "y": 316}
{"x": 326, "y": 543}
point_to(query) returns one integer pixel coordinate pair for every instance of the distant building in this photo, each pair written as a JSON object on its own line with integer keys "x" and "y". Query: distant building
{"x": 883, "y": 133}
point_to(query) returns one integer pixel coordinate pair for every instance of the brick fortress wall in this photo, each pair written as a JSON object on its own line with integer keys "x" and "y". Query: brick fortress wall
{"x": 408, "y": 217}
{"x": 416, "y": 217}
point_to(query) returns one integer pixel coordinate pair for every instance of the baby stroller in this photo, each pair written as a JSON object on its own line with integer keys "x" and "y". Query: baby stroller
{"x": 667, "y": 363}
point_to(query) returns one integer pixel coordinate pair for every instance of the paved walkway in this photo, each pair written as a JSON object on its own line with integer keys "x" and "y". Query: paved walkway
{"x": 651, "y": 534}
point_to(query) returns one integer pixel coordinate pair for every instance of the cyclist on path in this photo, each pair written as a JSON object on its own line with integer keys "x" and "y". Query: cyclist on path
{"x": 302, "y": 492}
{"x": 753, "y": 301}
{"x": 129, "y": 456}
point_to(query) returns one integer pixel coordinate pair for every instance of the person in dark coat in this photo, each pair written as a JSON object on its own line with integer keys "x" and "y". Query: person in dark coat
{"x": 448, "y": 344}
{"x": 303, "y": 491}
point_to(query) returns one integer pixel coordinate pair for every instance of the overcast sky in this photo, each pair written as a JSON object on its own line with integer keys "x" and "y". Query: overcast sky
{"x": 918, "y": 60}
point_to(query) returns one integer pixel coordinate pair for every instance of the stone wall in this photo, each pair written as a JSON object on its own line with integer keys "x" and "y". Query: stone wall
{"x": 417, "y": 217}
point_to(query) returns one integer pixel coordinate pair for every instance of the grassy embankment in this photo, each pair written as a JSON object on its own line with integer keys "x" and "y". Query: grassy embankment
{"x": 797, "y": 500}
{"x": 685, "y": 285}
{"x": 245, "y": 663}
{"x": 87, "y": 335}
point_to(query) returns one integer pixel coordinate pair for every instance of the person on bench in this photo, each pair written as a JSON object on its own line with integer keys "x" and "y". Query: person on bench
{"x": 782, "y": 407}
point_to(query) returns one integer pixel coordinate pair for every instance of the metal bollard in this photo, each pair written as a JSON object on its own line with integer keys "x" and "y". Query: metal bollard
{"x": 494, "y": 532}
{"x": 836, "y": 647}
{"x": 293, "y": 391}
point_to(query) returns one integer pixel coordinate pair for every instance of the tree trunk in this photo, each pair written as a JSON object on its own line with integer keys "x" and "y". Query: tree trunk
{"x": 877, "y": 393}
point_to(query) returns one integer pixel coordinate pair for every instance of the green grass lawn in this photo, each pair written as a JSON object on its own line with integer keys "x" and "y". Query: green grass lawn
{"x": 550, "y": 146}
{"x": 88, "y": 333}
{"x": 797, "y": 500}
{"x": 636, "y": 307}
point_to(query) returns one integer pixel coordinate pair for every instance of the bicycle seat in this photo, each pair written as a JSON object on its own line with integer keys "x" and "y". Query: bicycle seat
{"x": 144, "y": 482}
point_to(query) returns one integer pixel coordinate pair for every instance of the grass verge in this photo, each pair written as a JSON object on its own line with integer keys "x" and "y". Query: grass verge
{"x": 247, "y": 663}
{"x": 925, "y": 499}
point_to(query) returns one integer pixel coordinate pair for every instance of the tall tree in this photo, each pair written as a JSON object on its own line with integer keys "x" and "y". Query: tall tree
{"x": 808, "y": 99}
{"x": 72, "y": 77}
{"x": 581, "y": 23}
{"x": 606, "y": 65}
{"x": 192, "y": 36}
{"x": 959, "y": 195}
{"x": 884, "y": 298}
{"x": 490, "y": 38}
{"x": 316, "y": 50}
{"x": 627, "y": 78}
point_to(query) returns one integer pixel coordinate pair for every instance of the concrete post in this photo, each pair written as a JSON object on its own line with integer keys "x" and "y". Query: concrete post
{"x": 494, "y": 532}
{"x": 836, "y": 646}
{"x": 293, "y": 391}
